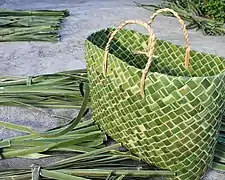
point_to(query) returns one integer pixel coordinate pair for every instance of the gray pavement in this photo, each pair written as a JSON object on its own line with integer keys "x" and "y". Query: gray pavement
{"x": 87, "y": 16}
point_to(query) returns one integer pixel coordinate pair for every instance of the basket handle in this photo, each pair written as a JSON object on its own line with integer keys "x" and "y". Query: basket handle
{"x": 151, "y": 48}
{"x": 183, "y": 26}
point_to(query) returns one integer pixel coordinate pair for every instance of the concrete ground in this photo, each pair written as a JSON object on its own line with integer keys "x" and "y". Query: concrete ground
{"x": 87, "y": 16}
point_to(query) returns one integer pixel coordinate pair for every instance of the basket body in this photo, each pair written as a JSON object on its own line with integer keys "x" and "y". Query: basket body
{"x": 175, "y": 126}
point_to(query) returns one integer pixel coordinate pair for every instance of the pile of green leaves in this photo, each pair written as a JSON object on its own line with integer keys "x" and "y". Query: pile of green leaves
{"x": 212, "y": 9}
{"x": 209, "y": 8}
{"x": 207, "y": 16}
{"x": 104, "y": 163}
{"x": 89, "y": 158}
{"x": 59, "y": 90}
{"x": 39, "y": 25}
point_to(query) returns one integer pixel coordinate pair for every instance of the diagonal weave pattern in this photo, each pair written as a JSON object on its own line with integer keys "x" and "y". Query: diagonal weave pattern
{"x": 175, "y": 125}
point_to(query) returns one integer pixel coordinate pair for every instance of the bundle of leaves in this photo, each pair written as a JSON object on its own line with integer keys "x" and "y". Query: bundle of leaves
{"x": 38, "y": 25}
{"x": 207, "y": 16}
{"x": 213, "y": 9}
{"x": 84, "y": 141}
{"x": 209, "y": 8}
{"x": 58, "y": 90}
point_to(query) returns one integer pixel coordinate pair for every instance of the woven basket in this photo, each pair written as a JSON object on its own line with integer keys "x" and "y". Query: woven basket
{"x": 144, "y": 96}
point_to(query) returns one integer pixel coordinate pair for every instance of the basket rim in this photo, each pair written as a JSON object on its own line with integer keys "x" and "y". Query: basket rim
{"x": 162, "y": 74}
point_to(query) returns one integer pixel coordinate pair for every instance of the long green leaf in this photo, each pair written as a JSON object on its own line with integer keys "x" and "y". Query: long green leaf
{"x": 59, "y": 175}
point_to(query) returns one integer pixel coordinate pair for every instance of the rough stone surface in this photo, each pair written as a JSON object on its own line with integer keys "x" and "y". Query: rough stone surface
{"x": 87, "y": 16}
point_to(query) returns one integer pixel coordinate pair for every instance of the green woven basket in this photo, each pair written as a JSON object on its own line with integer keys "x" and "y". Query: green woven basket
{"x": 166, "y": 112}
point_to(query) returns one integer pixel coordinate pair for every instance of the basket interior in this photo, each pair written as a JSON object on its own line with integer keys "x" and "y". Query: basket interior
{"x": 168, "y": 57}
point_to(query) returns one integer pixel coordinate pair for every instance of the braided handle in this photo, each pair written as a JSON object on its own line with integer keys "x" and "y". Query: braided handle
{"x": 187, "y": 54}
{"x": 151, "y": 48}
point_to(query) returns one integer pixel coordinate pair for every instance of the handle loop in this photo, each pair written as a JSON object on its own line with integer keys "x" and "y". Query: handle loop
{"x": 149, "y": 53}
{"x": 183, "y": 26}
{"x": 151, "y": 43}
